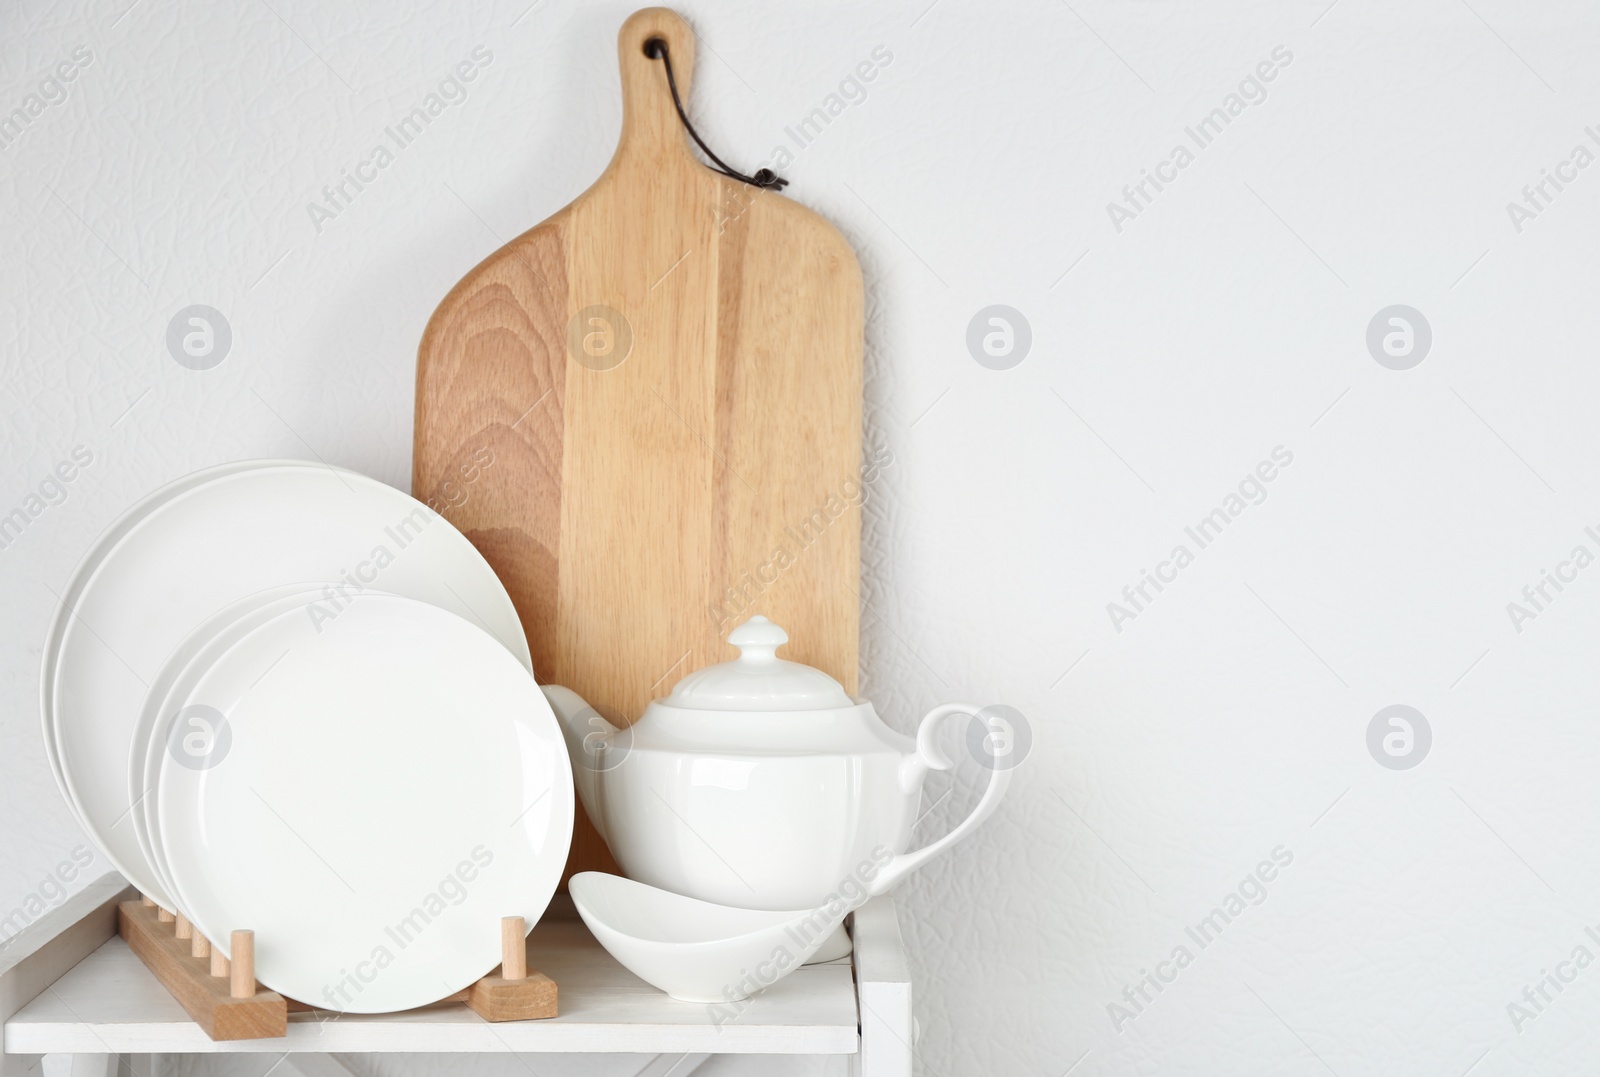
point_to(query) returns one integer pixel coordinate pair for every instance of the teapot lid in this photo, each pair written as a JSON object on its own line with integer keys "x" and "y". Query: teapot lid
{"x": 758, "y": 680}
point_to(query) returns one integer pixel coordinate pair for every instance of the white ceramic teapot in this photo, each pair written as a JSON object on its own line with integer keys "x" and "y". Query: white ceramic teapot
{"x": 760, "y": 784}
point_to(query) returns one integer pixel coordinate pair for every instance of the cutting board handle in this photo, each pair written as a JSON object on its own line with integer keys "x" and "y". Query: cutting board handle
{"x": 651, "y": 129}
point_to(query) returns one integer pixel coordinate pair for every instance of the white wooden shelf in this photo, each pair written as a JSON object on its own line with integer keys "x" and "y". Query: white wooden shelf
{"x": 68, "y": 985}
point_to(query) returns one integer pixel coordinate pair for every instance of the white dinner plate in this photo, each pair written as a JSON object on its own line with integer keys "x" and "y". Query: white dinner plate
{"x": 162, "y": 726}
{"x": 232, "y": 535}
{"x": 80, "y": 575}
{"x": 375, "y": 797}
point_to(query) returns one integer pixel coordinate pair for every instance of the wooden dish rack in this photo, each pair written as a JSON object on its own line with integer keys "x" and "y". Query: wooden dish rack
{"x": 219, "y": 991}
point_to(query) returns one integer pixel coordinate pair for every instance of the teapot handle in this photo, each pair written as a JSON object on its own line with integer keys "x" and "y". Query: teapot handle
{"x": 928, "y": 756}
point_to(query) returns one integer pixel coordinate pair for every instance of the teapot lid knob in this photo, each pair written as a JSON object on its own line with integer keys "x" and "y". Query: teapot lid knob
{"x": 758, "y": 640}
{"x": 758, "y": 680}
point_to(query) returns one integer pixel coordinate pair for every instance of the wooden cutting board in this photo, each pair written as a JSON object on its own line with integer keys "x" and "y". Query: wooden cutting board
{"x": 646, "y": 413}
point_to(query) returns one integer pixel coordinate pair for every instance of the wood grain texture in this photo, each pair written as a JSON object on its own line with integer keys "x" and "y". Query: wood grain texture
{"x": 513, "y": 948}
{"x": 639, "y": 509}
{"x": 530, "y": 998}
{"x": 206, "y": 998}
{"x": 242, "y": 964}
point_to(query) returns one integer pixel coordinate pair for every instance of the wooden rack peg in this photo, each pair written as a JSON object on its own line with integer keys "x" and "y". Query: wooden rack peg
{"x": 218, "y": 988}
{"x": 242, "y": 962}
{"x": 225, "y": 1008}
{"x": 511, "y": 992}
{"x": 513, "y": 948}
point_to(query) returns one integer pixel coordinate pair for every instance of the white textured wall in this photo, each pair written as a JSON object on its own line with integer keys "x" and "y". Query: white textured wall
{"x": 1172, "y": 752}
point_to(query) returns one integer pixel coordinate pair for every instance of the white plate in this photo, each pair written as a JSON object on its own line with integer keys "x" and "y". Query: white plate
{"x": 80, "y": 575}
{"x": 159, "y": 730}
{"x": 377, "y": 796}
{"x": 234, "y": 535}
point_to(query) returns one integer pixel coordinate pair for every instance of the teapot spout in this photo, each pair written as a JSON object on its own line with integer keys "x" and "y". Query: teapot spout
{"x": 589, "y": 743}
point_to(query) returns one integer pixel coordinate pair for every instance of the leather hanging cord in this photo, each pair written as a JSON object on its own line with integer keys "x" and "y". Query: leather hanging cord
{"x": 656, "y": 49}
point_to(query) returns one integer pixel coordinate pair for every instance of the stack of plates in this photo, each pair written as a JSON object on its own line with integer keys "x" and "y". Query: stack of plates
{"x": 288, "y": 698}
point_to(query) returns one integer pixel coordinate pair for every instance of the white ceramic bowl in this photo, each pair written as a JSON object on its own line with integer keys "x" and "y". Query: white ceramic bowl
{"x": 694, "y": 950}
